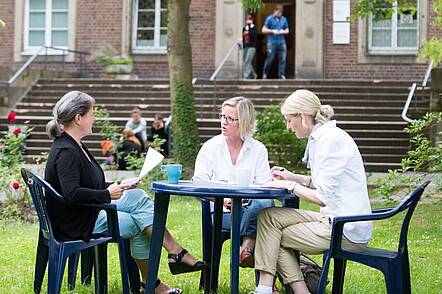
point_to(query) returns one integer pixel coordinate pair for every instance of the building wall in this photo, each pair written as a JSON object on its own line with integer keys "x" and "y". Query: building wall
{"x": 7, "y": 33}
{"x": 341, "y": 61}
{"x": 100, "y": 22}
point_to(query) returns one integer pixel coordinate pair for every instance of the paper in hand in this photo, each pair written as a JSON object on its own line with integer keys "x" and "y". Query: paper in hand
{"x": 153, "y": 158}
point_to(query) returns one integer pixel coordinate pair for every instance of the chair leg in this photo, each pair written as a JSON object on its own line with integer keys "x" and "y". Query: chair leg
{"x": 41, "y": 261}
{"x": 338, "y": 275}
{"x": 57, "y": 262}
{"x": 405, "y": 267}
{"x": 72, "y": 270}
{"x": 100, "y": 268}
{"x": 393, "y": 278}
{"x": 124, "y": 266}
{"x": 132, "y": 268}
{"x": 87, "y": 264}
{"x": 324, "y": 274}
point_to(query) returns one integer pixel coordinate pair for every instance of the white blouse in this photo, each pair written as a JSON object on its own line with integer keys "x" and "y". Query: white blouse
{"x": 339, "y": 177}
{"x": 214, "y": 162}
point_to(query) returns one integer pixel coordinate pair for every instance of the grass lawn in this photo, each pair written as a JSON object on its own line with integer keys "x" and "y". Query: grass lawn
{"x": 18, "y": 243}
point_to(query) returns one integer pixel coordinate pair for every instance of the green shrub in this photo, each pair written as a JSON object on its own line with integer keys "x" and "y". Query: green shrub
{"x": 283, "y": 146}
{"x": 17, "y": 203}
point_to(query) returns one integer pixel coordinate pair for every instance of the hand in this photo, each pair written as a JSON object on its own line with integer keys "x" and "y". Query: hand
{"x": 280, "y": 173}
{"x": 275, "y": 32}
{"x": 228, "y": 203}
{"x": 116, "y": 190}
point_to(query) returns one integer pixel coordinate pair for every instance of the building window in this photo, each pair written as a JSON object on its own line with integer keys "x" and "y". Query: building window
{"x": 46, "y": 24}
{"x": 396, "y": 33}
{"x": 149, "y": 26}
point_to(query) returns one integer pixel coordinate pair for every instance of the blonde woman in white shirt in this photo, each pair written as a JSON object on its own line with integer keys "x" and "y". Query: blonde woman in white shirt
{"x": 337, "y": 184}
{"x": 234, "y": 148}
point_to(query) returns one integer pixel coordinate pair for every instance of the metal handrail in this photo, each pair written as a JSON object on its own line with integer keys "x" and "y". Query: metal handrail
{"x": 28, "y": 63}
{"x": 218, "y": 69}
{"x": 412, "y": 92}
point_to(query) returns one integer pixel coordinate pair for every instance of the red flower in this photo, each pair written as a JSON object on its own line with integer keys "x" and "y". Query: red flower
{"x": 16, "y": 132}
{"x": 11, "y": 117}
{"x": 16, "y": 185}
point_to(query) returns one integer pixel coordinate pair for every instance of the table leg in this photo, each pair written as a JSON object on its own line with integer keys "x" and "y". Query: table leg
{"x": 216, "y": 246}
{"x": 234, "y": 253}
{"x": 156, "y": 243}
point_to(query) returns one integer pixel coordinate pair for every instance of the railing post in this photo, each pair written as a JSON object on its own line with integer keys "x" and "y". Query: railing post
{"x": 46, "y": 59}
{"x": 237, "y": 62}
{"x": 64, "y": 59}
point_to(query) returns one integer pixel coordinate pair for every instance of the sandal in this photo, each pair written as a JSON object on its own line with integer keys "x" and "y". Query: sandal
{"x": 172, "y": 290}
{"x": 179, "y": 267}
{"x": 247, "y": 258}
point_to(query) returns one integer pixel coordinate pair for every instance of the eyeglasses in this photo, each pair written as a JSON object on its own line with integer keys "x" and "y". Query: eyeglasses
{"x": 229, "y": 120}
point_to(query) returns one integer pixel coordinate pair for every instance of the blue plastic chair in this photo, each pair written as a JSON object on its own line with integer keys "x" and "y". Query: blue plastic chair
{"x": 393, "y": 264}
{"x": 56, "y": 253}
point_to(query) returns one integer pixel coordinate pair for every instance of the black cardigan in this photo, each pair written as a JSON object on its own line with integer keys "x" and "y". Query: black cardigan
{"x": 79, "y": 181}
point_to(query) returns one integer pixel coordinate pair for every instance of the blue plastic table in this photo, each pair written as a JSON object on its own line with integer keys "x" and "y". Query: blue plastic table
{"x": 163, "y": 190}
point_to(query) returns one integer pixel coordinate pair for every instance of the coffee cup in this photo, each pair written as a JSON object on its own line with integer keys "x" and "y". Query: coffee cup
{"x": 243, "y": 177}
{"x": 173, "y": 172}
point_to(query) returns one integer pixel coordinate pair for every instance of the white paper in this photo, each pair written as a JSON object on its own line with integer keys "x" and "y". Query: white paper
{"x": 153, "y": 158}
{"x": 341, "y": 33}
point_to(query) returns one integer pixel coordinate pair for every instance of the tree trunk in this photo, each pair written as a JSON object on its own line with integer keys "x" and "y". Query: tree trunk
{"x": 184, "y": 125}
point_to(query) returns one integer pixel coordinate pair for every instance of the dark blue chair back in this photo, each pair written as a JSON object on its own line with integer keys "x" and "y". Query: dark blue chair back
{"x": 56, "y": 253}
{"x": 393, "y": 264}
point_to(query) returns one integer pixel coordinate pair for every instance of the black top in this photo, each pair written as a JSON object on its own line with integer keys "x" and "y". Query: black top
{"x": 78, "y": 180}
{"x": 161, "y": 133}
{"x": 249, "y": 34}
{"x": 127, "y": 147}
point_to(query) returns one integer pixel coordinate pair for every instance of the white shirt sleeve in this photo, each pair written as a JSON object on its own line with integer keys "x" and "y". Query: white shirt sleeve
{"x": 262, "y": 171}
{"x": 203, "y": 166}
{"x": 329, "y": 162}
{"x": 141, "y": 127}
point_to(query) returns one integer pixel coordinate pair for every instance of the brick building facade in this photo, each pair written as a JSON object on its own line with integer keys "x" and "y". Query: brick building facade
{"x": 214, "y": 26}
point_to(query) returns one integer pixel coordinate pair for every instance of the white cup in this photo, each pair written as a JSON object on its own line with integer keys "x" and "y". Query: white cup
{"x": 243, "y": 177}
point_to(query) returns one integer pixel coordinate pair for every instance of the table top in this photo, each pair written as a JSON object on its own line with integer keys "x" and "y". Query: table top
{"x": 217, "y": 189}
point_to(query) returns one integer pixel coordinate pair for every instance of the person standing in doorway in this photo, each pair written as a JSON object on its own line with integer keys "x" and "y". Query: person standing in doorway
{"x": 249, "y": 34}
{"x": 276, "y": 26}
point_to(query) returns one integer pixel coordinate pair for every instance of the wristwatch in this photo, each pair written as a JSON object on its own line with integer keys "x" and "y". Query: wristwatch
{"x": 291, "y": 187}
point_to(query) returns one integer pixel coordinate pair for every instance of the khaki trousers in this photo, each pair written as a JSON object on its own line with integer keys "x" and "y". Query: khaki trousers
{"x": 281, "y": 230}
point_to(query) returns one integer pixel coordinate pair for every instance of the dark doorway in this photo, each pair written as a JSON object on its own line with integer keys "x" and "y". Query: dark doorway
{"x": 261, "y": 15}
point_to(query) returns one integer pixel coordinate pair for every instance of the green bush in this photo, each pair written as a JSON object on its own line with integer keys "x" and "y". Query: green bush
{"x": 283, "y": 146}
{"x": 17, "y": 202}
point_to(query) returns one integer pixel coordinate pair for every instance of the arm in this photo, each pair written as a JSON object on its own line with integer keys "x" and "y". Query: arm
{"x": 262, "y": 171}
{"x": 142, "y": 127}
{"x": 203, "y": 170}
{"x": 266, "y": 27}
{"x": 68, "y": 171}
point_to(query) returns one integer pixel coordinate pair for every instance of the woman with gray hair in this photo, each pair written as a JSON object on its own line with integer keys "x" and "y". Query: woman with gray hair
{"x": 74, "y": 173}
{"x": 337, "y": 184}
{"x": 233, "y": 149}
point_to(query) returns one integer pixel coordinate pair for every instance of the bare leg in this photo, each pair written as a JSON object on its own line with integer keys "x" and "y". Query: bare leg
{"x": 299, "y": 287}
{"x": 248, "y": 242}
{"x": 172, "y": 246}
{"x": 142, "y": 266}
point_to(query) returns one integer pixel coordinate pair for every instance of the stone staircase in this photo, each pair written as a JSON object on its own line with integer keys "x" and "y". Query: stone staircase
{"x": 370, "y": 111}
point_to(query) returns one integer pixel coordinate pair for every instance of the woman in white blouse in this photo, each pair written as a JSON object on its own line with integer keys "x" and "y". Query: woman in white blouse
{"x": 234, "y": 148}
{"x": 337, "y": 184}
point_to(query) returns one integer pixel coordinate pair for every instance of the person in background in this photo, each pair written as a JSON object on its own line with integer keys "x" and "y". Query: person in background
{"x": 138, "y": 125}
{"x": 129, "y": 145}
{"x": 276, "y": 27}
{"x": 158, "y": 130}
{"x": 337, "y": 185}
{"x": 77, "y": 176}
{"x": 235, "y": 148}
{"x": 249, "y": 35}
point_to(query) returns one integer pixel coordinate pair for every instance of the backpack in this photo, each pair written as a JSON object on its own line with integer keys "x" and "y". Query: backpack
{"x": 311, "y": 271}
